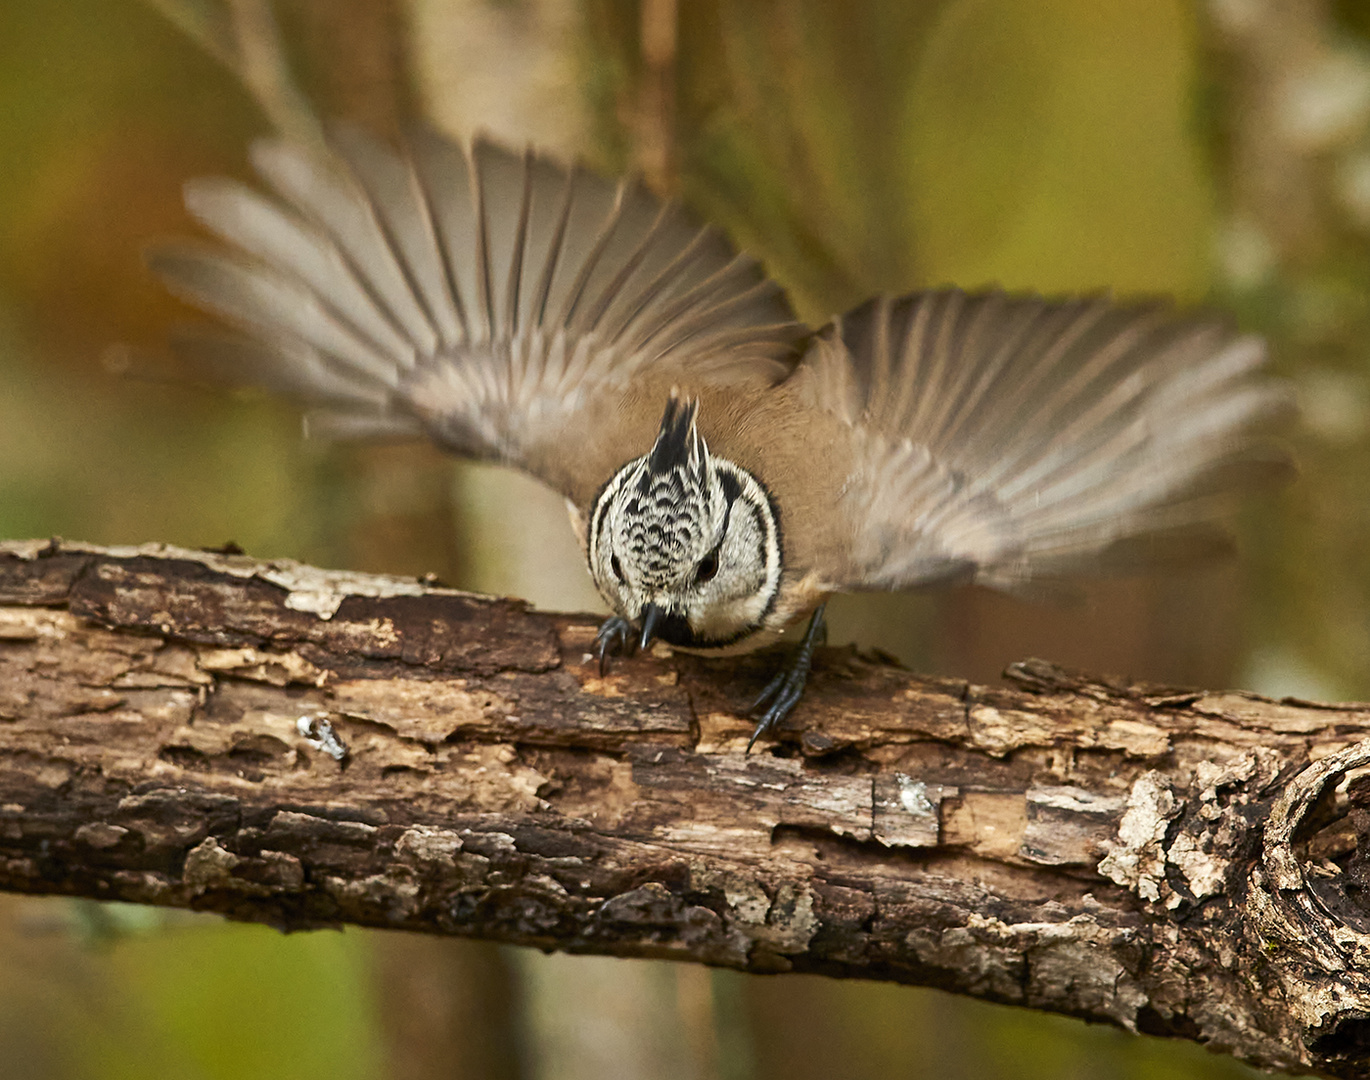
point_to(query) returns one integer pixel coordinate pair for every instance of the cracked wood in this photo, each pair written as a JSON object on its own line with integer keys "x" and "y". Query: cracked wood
{"x": 306, "y": 748}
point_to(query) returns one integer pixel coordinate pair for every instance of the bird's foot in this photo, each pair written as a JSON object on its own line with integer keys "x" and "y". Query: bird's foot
{"x": 616, "y": 637}
{"x": 783, "y": 692}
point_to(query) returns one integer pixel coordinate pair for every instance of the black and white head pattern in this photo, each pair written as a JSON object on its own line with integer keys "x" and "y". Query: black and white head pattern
{"x": 692, "y": 533}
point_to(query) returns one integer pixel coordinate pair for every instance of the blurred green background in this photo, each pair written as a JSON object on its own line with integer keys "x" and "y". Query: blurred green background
{"x": 1219, "y": 152}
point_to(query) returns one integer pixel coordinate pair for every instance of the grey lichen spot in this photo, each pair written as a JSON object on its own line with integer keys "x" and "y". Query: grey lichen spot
{"x": 1038, "y": 962}
{"x": 989, "y": 963}
{"x": 492, "y": 845}
{"x": 1137, "y": 857}
{"x": 651, "y": 904}
{"x": 791, "y": 922}
{"x": 1073, "y": 963}
{"x": 747, "y": 899}
{"x": 319, "y": 733}
{"x": 100, "y": 835}
{"x": 393, "y": 894}
{"x": 426, "y": 844}
{"x": 284, "y": 871}
{"x": 208, "y": 864}
{"x": 11, "y": 821}
{"x": 289, "y": 827}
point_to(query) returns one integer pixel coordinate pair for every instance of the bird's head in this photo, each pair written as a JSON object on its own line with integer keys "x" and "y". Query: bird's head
{"x": 686, "y": 544}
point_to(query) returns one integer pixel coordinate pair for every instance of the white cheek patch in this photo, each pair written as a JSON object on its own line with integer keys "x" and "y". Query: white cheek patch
{"x": 599, "y": 546}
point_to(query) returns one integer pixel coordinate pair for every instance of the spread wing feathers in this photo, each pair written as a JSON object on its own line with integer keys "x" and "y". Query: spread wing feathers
{"x": 1003, "y": 438}
{"x": 484, "y": 296}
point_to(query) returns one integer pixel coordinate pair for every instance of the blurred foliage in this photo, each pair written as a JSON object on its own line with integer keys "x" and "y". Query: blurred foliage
{"x": 807, "y": 1026}
{"x": 173, "y": 995}
{"x": 1290, "y": 125}
{"x": 879, "y": 145}
{"x": 972, "y": 142}
{"x": 275, "y": 1006}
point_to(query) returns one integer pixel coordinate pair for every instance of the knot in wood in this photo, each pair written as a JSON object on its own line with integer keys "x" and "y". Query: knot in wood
{"x": 1309, "y": 915}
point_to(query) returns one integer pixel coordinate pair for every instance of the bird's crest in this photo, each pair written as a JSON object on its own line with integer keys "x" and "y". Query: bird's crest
{"x": 678, "y": 443}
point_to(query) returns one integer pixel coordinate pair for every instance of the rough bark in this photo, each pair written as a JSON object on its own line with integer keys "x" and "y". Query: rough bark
{"x": 306, "y": 748}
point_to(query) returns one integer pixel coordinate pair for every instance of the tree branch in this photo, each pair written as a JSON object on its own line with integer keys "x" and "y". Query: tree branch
{"x": 304, "y": 748}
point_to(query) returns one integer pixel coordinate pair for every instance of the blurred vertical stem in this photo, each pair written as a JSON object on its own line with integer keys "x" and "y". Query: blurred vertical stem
{"x": 656, "y": 119}
{"x": 445, "y": 1011}
{"x": 243, "y": 36}
{"x": 1291, "y": 132}
{"x": 354, "y": 58}
{"x": 786, "y": 128}
{"x": 352, "y": 52}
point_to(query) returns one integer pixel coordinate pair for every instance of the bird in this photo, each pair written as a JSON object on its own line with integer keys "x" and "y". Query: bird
{"x": 727, "y": 468}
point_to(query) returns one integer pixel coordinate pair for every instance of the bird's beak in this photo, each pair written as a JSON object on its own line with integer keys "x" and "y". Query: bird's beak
{"x": 651, "y": 615}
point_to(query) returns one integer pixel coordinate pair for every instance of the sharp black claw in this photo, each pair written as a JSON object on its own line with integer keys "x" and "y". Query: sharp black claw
{"x": 772, "y": 688}
{"x": 784, "y": 691}
{"x": 615, "y": 638}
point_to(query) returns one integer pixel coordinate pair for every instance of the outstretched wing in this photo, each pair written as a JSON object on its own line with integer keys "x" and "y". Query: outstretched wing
{"x": 1002, "y": 439}
{"x": 492, "y": 300}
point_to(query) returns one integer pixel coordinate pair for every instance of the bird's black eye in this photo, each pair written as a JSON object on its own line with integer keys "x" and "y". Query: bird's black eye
{"x": 708, "y": 567}
{"x": 616, "y": 567}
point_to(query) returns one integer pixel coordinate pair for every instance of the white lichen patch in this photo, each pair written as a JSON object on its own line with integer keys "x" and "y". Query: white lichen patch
{"x": 1203, "y": 872}
{"x": 913, "y": 796}
{"x": 318, "y": 732}
{"x": 1137, "y": 857}
{"x": 907, "y": 811}
{"x": 25, "y": 549}
{"x": 320, "y": 592}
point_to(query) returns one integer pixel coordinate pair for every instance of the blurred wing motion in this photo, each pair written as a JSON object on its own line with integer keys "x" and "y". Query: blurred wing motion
{"x": 484, "y": 299}
{"x": 1002, "y": 439}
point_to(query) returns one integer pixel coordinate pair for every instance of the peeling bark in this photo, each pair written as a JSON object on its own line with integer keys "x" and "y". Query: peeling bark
{"x": 305, "y": 748}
